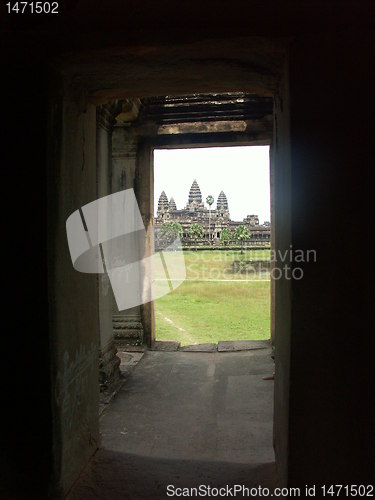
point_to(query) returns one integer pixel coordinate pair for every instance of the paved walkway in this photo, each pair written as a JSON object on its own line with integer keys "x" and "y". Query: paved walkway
{"x": 185, "y": 419}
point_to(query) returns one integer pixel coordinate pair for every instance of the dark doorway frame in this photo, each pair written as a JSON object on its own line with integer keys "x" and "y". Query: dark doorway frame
{"x": 73, "y": 121}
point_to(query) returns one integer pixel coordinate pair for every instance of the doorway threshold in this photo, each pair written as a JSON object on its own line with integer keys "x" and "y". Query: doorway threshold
{"x": 221, "y": 346}
{"x": 130, "y": 355}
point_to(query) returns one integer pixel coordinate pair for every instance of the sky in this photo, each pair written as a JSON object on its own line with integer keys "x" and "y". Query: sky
{"x": 242, "y": 172}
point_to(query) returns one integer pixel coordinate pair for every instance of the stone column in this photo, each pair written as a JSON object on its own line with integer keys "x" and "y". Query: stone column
{"x": 127, "y": 325}
{"x": 108, "y": 361}
{"x": 272, "y": 241}
{"x": 144, "y": 190}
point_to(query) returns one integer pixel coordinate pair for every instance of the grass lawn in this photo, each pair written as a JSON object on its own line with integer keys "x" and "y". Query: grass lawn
{"x": 205, "y": 310}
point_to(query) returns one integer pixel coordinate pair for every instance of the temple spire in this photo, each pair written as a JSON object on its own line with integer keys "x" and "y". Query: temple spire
{"x": 163, "y": 203}
{"x": 195, "y": 195}
{"x": 172, "y": 204}
{"x": 222, "y": 202}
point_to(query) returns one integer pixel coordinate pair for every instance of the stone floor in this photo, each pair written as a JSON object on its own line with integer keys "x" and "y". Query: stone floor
{"x": 185, "y": 419}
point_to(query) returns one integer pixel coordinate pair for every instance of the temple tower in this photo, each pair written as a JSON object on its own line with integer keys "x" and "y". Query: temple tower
{"x": 172, "y": 205}
{"x": 163, "y": 204}
{"x": 195, "y": 196}
{"x": 222, "y": 205}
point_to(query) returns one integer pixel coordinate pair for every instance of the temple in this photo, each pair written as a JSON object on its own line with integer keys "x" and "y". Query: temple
{"x": 212, "y": 220}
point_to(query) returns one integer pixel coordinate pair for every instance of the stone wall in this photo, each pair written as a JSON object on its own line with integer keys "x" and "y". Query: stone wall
{"x": 74, "y": 296}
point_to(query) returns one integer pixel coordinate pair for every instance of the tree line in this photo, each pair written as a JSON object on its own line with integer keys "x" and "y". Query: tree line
{"x": 173, "y": 230}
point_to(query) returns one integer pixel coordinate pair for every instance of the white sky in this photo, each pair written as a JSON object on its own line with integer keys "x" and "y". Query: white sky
{"x": 242, "y": 172}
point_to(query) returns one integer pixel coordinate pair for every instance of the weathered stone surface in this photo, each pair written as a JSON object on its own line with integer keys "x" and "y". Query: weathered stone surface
{"x": 165, "y": 345}
{"x": 122, "y": 74}
{"x": 127, "y": 331}
{"x": 129, "y": 358}
{"x": 242, "y": 345}
{"x": 109, "y": 374}
{"x": 129, "y": 361}
{"x": 199, "y": 348}
{"x": 221, "y": 432}
{"x": 133, "y": 348}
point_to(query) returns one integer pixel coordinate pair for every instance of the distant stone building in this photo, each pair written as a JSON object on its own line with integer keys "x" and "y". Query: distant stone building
{"x": 213, "y": 220}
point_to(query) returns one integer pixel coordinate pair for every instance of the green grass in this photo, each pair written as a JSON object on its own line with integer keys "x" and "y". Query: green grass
{"x": 202, "y": 311}
{"x": 217, "y": 264}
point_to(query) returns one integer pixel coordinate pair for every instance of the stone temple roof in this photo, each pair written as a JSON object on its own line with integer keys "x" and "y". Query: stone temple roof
{"x": 163, "y": 201}
{"x": 172, "y": 204}
{"x": 222, "y": 202}
{"x": 195, "y": 194}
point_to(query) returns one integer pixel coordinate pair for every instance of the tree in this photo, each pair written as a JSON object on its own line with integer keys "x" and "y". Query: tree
{"x": 209, "y": 200}
{"x": 195, "y": 232}
{"x": 241, "y": 234}
{"x": 171, "y": 230}
{"x": 225, "y": 236}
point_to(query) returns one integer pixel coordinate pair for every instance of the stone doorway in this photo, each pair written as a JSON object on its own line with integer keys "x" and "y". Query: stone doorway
{"x": 124, "y": 146}
{"x": 142, "y": 355}
{"x": 141, "y": 126}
